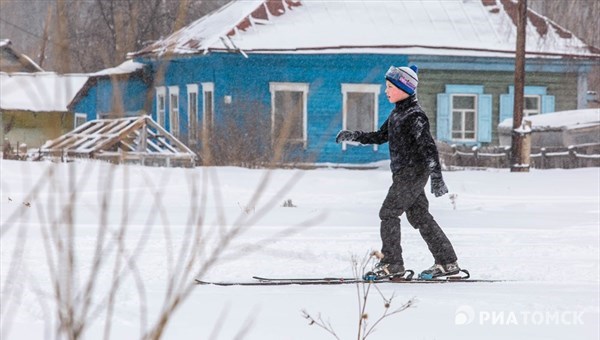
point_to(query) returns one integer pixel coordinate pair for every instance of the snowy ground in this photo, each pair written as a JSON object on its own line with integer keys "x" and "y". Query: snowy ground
{"x": 540, "y": 230}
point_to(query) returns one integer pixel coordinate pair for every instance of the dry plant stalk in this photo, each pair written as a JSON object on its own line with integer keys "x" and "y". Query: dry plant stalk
{"x": 363, "y": 290}
{"x": 79, "y": 297}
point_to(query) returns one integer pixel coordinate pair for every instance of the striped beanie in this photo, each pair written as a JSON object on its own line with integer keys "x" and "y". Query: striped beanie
{"x": 404, "y": 78}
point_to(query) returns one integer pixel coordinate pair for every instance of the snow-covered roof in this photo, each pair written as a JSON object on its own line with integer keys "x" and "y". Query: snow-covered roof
{"x": 559, "y": 120}
{"x": 443, "y": 27}
{"x": 126, "y": 67}
{"x": 39, "y": 92}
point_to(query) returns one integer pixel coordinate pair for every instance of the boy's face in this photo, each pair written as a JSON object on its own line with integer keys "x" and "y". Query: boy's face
{"x": 393, "y": 93}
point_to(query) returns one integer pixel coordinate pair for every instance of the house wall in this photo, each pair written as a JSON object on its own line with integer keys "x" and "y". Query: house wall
{"x": 104, "y": 99}
{"x": 34, "y": 128}
{"x": 431, "y": 82}
{"x": 247, "y": 80}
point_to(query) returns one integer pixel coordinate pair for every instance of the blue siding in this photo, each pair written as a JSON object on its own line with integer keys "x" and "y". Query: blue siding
{"x": 101, "y": 98}
{"x": 247, "y": 80}
{"x": 87, "y": 104}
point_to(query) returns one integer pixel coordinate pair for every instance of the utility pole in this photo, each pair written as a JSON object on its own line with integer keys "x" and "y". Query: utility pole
{"x": 520, "y": 153}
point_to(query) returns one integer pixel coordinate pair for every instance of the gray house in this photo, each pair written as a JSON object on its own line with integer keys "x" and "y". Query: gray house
{"x": 302, "y": 70}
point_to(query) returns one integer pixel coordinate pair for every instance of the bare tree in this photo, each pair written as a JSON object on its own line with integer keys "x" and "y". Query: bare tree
{"x": 99, "y": 33}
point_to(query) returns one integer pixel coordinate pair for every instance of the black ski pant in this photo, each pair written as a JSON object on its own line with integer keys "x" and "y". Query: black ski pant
{"x": 407, "y": 194}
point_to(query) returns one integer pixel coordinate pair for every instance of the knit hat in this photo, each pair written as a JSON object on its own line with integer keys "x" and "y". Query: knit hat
{"x": 404, "y": 78}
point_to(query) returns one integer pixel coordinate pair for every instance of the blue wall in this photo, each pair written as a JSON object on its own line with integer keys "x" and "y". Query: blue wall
{"x": 246, "y": 80}
{"x": 101, "y": 97}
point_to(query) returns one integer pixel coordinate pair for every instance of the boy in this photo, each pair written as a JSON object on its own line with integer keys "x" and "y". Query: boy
{"x": 414, "y": 158}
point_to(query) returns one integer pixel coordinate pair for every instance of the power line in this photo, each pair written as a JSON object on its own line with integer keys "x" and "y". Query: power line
{"x": 20, "y": 28}
{"x": 48, "y": 39}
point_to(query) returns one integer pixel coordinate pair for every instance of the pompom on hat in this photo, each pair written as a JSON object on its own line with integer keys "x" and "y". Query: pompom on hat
{"x": 404, "y": 78}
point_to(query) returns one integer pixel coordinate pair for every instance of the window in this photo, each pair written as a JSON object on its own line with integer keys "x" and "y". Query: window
{"x": 464, "y": 116}
{"x": 288, "y": 112}
{"x": 531, "y": 105}
{"x": 208, "y": 109}
{"x": 174, "y": 110}
{"x": 160, "y": 105}
{"x": 360, "y": 103}
{"x": 536, "y": 101}
{"x": 80, "y": 119}
{"x": 192, "y": 111}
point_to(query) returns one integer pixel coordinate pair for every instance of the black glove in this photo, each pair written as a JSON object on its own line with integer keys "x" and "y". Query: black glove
{"x": 438, "y": 187}
{"x": 346, "y": 136}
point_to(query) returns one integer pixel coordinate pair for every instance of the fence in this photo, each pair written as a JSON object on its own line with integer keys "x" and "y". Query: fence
{"x": 576, "y": 156}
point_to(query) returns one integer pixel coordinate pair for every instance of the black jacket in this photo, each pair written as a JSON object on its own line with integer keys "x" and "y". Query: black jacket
{"x": 412, "y": 147}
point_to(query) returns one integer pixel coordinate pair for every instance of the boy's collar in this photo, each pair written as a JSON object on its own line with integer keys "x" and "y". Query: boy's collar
{"x": 404, "y": 103}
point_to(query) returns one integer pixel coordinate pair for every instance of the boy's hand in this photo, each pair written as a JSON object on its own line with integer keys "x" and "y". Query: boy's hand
{"x": 438, "y": 187}
{"x": 346, "y": 136}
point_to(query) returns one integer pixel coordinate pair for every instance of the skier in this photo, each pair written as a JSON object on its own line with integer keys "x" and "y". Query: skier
{"x": 414, "y": 158}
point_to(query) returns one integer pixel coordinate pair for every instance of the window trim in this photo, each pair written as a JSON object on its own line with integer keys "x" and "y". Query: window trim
{"x": 506, "y": 108}
{"x": 192, "y": 128}
{"x": 174, "y": 111}
{"x": 375, "y": 89}
{"x": 291, "y": 87}
{"x": 206, "y": 126}
{"x": 161, "y": 118}
{"x": 484, "y": 116}
{"x": 475, "y": 118}
{"x": 527, "y": 113}
{"x": 79, "y": 115}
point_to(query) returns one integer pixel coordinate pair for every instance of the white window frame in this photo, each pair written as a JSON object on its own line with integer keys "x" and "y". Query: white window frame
{"x": 79, "y": 116}
{"x": 527, "y": 113}
{"x": 207, "y": 125}
{"x": 375, "y": 89}
{"x": 291, "y": 87}
{"x": 174, "y": 110}
{"x": 463, "y": 120}
{"x": 192, "y": 89}
{"x": 161, "y": 91}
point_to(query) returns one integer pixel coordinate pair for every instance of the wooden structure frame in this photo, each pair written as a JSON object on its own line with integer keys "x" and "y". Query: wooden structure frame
{"x": 123, "y": 140}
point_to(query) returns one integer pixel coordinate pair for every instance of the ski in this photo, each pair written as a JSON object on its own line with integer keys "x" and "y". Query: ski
{"x": 408, "y": 275}
{"x": 266, "y": 281}
{"x": 281, "y": 282}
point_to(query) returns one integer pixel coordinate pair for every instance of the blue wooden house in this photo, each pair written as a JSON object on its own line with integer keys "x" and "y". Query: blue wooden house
{"x": 256, "y": 73}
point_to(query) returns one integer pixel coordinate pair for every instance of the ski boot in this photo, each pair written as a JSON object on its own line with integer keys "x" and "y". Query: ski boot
{"x": 385, "y": 271}
{"x": 438, "y": 270}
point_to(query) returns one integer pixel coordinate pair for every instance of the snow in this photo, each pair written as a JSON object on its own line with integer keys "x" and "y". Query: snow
{"x": 436, "y": 27}
{"x": 539, "y": 230}
{"x": 559, "y": 120}
{"x": 40, "y": 91}
{"x": 126, "y": 67}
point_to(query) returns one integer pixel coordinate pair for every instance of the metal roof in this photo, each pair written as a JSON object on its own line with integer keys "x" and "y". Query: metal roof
{"x": 437, "y": 27}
